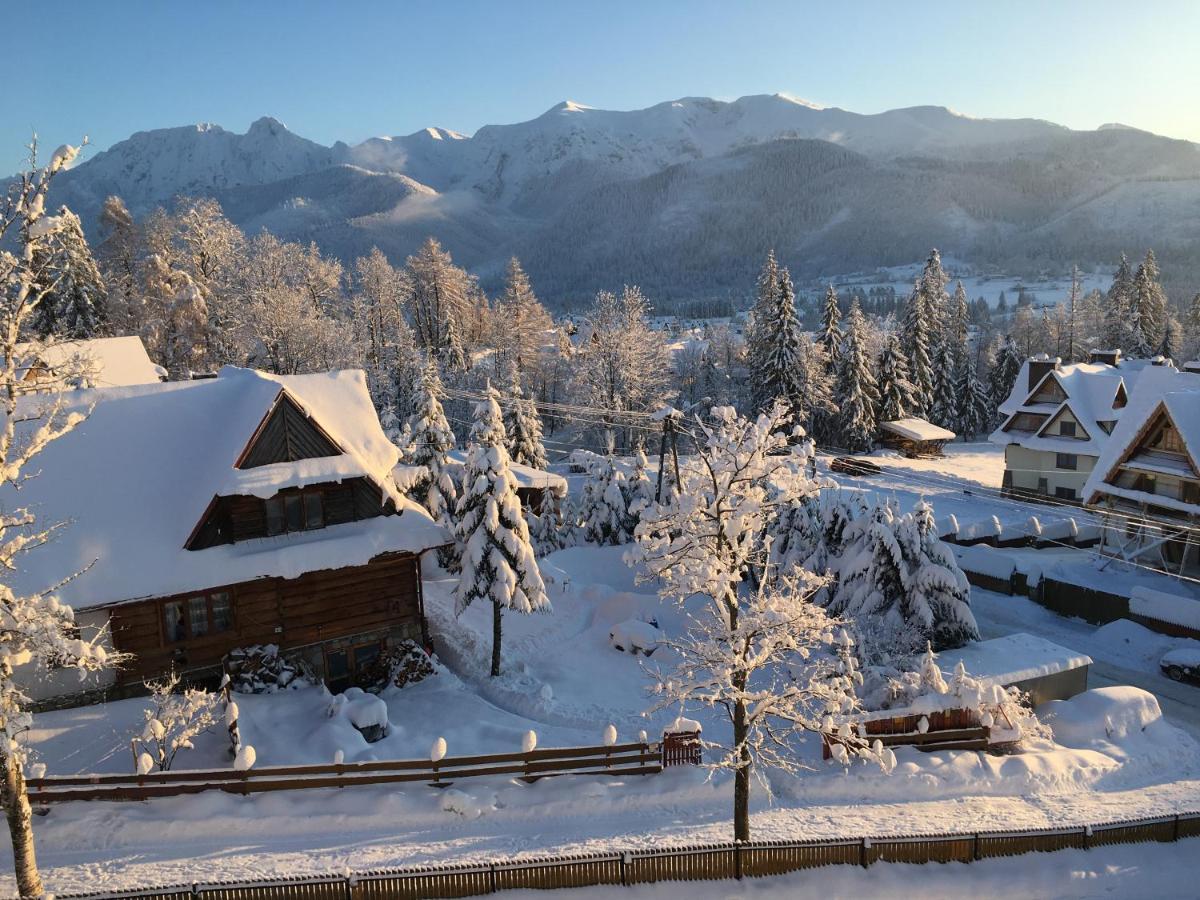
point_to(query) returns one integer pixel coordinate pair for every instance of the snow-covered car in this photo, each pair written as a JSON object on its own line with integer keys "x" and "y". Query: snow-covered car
{"x": 1181, "y": 665}
{"x": 848, "y": 465}
{"x": 634, "y": 636}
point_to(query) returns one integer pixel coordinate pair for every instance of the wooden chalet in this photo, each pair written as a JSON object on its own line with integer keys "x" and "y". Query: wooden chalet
{"x": 239, "y": 510}
{"x": 94, "y": 363}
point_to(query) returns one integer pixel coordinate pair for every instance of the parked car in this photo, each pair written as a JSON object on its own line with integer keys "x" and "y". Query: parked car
{"x": 848, "y": 465}
{"x": 1181, "y": 665}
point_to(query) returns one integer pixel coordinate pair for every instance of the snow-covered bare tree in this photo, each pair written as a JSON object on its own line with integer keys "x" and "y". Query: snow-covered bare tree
{"x": 623, "y": 365}
{"x": 439, "y": 300}
{"x": 521, "y": 324}
{"x": 498, "y": 563}
{"x": 38, "y": 631}
{"x": 119, "y": 258}
{"x": 758, "y": 655}
{"x": 176, "y": 718}
{"x": 188, "y": 344}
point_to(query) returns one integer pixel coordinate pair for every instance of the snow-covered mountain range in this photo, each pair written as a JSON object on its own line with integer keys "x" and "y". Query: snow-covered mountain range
{"x": 686, "y": 196}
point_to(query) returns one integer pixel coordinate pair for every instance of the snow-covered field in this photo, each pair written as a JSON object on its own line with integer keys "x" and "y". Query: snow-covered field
{"x": 981, "y": 463}
{"x": 565, "y": 681}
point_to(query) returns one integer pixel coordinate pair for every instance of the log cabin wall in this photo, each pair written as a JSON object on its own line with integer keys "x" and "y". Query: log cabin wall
{"x": 382, "y": 597}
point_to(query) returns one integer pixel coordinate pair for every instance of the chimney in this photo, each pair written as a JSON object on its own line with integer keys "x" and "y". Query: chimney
{"x": 1039, "y": 366}
{"x": 1105, "y": 357}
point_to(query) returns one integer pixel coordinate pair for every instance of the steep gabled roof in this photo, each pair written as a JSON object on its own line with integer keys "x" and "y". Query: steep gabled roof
{"x": 1091, "y": 390}
{"x": 1160, "y": 392}
{"x": 137, "y": 475}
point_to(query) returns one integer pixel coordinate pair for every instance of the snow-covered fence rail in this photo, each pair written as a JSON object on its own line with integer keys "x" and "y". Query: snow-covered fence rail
{"x": 710, "y": 862}
{"x": 619, "y": 759}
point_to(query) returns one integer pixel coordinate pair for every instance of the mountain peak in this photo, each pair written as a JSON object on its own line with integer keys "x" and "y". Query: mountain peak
{"x": 267, "y": 125}
{"x": 567, "y": 106}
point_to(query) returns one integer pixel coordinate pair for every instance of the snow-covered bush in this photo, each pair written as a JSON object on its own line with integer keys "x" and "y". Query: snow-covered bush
{"x": 402, "y": 665}
{"x": 175, "y": 719}
{"x": 366, "y": 712}
{"x": 260, "y": 669}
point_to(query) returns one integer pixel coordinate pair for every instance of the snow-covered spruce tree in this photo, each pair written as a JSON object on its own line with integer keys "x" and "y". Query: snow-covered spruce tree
{"x": 1006, "y": 366}
{"x": 830, "y": 335}
{"x": 430, "y": 439}
{"x": 1147, "y": 308}
{"x": 553, "y": 528}
{"x": 755, "y": 654}
{"x": 1117, "y": 332}
{"x": 498, "y": 563}
{"x": 75, "y": 304}
{"x": 779, "y": 342}
{"x": 896, "y": 400}
{"x": 959, "y": 319}
{"x": 639, "y": 490}
{"x": 813, "y": 406}
{"x": 932, "y": 287}
{"x": 917, "y": 334}
{"x": 974, "y": 409}
{"x": 1191, "y": 329}
{"x": 38, "y": 631}
{"x": 857, "y": 391}
{"x": 603, "y": 505}
{"x": 900, "y": 585}
{"x": 945, "y": 378}
{"x": 757, "y": 328}
{"x": 524, "y": 428}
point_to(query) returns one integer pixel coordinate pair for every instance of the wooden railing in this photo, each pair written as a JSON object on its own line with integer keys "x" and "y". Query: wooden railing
{"x": 707, "y": 862}
{"x": 619, "y": 759}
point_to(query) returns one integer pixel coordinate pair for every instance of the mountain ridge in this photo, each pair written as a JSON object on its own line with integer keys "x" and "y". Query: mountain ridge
{"x": 712, "y": 178}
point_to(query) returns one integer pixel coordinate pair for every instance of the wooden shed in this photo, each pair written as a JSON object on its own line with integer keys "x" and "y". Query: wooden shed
{"x": 914, "y": 437}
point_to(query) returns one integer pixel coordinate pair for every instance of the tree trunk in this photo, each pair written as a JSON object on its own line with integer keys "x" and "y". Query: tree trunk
{"x": 495, "y": 639}
{"x": 20, "y": 827}
{"x": 741, "y": 780}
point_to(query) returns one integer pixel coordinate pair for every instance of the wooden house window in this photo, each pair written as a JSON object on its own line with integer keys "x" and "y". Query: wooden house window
{"x": 295, "y": 511}
{"x": 1066, "y": 461}
{"x": 197, "y": 616}
{"x": 1189, "y": 492}
{"x": 1066, "y": 429}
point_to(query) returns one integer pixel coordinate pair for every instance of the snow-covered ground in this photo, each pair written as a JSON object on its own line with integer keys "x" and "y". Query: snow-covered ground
{"x": 565, "y": 681}
{"x": 981, "y": 463}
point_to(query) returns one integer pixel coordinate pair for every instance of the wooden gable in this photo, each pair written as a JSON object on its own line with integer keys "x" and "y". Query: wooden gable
{"x": 1049, "y": 391}
{"x": 1149, "y": 438}
{"x": 286, "y": 434}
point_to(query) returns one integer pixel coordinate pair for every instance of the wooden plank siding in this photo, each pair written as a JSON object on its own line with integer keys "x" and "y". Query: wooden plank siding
{"x": 316, "y": 607}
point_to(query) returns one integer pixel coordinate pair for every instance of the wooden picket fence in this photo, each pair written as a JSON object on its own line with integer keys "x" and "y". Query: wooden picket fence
{"x": 620, "y": 759}
{"x": 711, "y": 862}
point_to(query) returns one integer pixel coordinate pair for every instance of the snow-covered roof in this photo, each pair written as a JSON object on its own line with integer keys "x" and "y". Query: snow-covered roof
{"x": 1158, "y": 389}
{"x": 1152, "y": 604}
{"x": 138, "y": 474}
{"x": 917, "y": 430}
{"x": 524, "y": 476}
{"x": 1091, "y": 391}
{"x": 108, "y": 362}
{"x": 1012, "y": 658}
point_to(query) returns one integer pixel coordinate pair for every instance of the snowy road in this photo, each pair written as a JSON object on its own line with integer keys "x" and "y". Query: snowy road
{"x": 998, "y": 615}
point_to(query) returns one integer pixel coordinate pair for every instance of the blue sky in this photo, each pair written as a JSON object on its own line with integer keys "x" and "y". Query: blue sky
{"x": 349, "y": 70}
